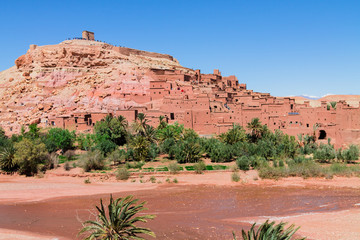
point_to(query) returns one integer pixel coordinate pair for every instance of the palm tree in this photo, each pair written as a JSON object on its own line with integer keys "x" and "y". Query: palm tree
{"x": 140, "y": 146}
{"x": 234, "y": 135}
{"x": 119, "y": 222}
{"x": 255, "y": 128}
{"x": 333, "y": 104}
{"x": 269, "y": 231}
{"x": 150, "y": 133}
{"x": 122, "y": 121}
{"x": 162, "y": 123}
{"x": 140, "y": 125}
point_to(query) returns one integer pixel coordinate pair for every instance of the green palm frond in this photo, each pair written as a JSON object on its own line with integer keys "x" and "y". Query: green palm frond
{"x": 269, "y": 231}
{"x": 118, "y": 221}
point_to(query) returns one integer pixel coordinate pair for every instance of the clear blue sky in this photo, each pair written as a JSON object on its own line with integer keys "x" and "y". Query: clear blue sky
{"x": 291, "y": 47}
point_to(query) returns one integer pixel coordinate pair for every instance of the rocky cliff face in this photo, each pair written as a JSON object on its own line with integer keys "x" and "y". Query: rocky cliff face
{"x": 75, "y": 75}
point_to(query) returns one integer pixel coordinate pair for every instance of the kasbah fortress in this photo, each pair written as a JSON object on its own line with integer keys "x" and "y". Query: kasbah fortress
{"x": 78, "y": 82}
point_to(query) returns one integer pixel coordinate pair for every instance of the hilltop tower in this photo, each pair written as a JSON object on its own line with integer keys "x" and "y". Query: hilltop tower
{"x": 88, "y": 35}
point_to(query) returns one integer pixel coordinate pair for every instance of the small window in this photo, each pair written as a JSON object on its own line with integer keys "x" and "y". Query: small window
{"x": 52, "y": 123}
{"x": 307, "y": 125}
{"x": 172, "y": 116}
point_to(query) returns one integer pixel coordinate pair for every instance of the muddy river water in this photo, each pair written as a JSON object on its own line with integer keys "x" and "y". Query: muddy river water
{"x": 184, "y": 212}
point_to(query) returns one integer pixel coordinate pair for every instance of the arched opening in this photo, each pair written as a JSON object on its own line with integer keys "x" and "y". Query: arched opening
{"x": 322, "y": 134}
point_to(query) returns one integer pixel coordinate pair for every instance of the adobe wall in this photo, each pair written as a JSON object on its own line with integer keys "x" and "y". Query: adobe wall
{"x": 211, "y": 104}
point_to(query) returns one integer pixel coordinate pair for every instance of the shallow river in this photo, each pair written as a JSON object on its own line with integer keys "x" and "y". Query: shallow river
{"x": 183, "y": 212}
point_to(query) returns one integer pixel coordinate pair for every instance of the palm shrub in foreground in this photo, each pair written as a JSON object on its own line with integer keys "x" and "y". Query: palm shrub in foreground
{"x": 269, "y": 231}
{"x": 119, "y": 221}
{"x": 7, "y": 162}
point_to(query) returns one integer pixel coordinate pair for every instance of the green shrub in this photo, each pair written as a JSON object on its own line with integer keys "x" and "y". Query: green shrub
{"x": 243, "y": 163}
{"x": 188, "y": 151}
{"x": 352, "y": 153}
{"x": 135, "y": 165}
{"x": 221, "y": 153}
{"x": 199, "y": 167}
{"x": 117, "y": 156}
{"x": 104, "y": 144}
{"x": 324, "y": 153}
{"x": 235, "y": 177}
{"x": 28, "y": 155}
{"x": 174, "y": 168}
{"x": 87, "y": 181}
{"x": 275, "y": 163}
{"x": 175, "y": 180}
{"x": 58, "y": 138}
{"x": 140, "y": 147}
{"x": 92, "y": 160}
{"x": 306, "y": 169}
{"x": 7, "y": 161}
{"x": 153, "y": 179}
{"x": 154, "y": 151}
{"x": 281, "y": 163}
{"x": 67, "y": 166}
{"x": 271, "y": 173}
{"x": 52, "y": 161}
{"x": 269, "y": 230}
{"x": 122, "y": 174}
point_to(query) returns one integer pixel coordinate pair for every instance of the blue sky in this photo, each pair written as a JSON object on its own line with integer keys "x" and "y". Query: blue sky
{"x": 292, "y": 47}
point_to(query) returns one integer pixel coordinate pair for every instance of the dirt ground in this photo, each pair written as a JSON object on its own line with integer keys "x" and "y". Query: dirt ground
{"x": 325, "y": 209}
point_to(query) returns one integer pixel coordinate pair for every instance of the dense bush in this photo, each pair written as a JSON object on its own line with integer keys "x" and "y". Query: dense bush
{"x": 58, "y": 138}
{"x": 234, "y": 135}
{"x": 325, "y": 153}
{"x": 350, "y": 154}
{"x": 140, "y": 147}
{"x": 117, "y": 156}
{"x": 86, "y": 141}
{"x": 243, "y": 163}
{"x": 28, "y": 154}
{"x": 122, "y": 174}
{"x": 92, "y": 160}
{"x": 174, "y": 168}
{"x": 199, "y": 167}
{"x": 235, "y": 177}
{"x": 114, "y": 128}
{"x": 221, "y": 152}
{"x": 187, "y": 151}
{"x": 104, "y": 144}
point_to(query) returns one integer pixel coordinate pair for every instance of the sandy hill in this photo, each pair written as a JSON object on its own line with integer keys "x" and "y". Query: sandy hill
{"x": 75, "y": 75}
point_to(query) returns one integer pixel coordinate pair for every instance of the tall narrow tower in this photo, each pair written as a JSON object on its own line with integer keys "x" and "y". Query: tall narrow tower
{"x": 88, "y": 35}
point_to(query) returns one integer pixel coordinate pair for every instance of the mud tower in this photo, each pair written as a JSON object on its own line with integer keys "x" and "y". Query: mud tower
{"x": 88, "y": 35}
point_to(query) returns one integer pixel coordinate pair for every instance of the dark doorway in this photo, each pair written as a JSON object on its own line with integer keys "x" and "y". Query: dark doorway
{"x": 322, "y": 134}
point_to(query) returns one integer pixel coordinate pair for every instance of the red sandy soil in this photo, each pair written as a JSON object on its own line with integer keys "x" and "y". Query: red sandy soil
{"x": 200, "y": 206}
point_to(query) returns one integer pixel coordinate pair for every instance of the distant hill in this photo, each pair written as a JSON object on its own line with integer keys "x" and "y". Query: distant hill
{"x": 352, "y": 100}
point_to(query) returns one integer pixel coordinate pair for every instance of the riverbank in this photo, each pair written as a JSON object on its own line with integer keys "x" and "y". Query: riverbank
{"x": 325, "y": 209}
